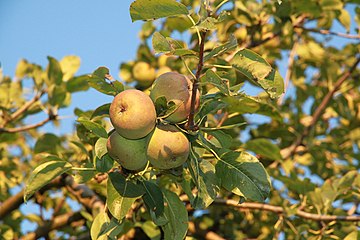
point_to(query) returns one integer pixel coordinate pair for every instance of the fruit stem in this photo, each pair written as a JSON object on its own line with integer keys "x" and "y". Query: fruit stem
{"x": 191, "y": 123}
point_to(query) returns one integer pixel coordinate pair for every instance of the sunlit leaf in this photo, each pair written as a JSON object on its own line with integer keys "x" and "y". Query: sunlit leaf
{"x": 153, "y": 9}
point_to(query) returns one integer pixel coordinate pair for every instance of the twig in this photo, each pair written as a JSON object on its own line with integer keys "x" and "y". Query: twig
{"x": 327, "y": 32}
{"x": 27, "y": 127}
{"x": 207, "y": 235}
{"x": 319, "y": 110}
{"x": 280, "y": 210}
{"x": 24, "y": 107}
{"x": 289, "y": 70}
{"x": 191, "y": 123}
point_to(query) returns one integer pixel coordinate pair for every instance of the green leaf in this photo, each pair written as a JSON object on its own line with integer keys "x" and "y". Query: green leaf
{"x": 104, "y": 164}
{"x": 232, "y": 43}
{"x": 54, "y": 72}
{"x": 44, "y": 173}
{"x": 225, "y": 140}
{"x": 215, "y": 80}
{"x": 265, "y": 148}
{"x": 160, "y": 44}
{"x": 98, "y": 82}
{"x": 100, "y": 147}
{"x": 153, "y": 198}
{"x": 93, "y": 127}
{"x": 254, "y": 67}
{"x": 48, "y": 143}
{"x": 103, "y": 110}
{"x": 243, "y": 174}
{"x": 207, "y": 24}
{"x": 57, "y": 95}
{"x": 77, "y": 84}
{"x": 99, "y": 226}
{"x": 208, "y": 185}
{"x": 177, "y": 215}
{"x": 126, "y": 188}
{"x": 153, "y": 9}
{"x": 69, "y": 65}
{"x": 117, "y": 203}
{"x": 345, "y": 19}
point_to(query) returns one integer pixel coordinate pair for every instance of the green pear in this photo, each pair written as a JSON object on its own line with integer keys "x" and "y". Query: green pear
{"x": 130, "y": 154}
{"x": 177, "y": 88}
{"x": 144, "y": 74}
{"x": 132, "y": 113}
{"x": 168, "y": 147}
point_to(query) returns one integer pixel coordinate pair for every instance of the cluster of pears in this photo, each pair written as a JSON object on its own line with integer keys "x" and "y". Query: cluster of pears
{"x": 138, "y": 137}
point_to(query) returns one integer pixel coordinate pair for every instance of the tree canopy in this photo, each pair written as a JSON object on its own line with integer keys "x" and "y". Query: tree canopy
{"x": 271, "y": 156}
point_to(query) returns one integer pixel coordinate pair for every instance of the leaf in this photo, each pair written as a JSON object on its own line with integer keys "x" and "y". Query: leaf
{"x": 48, "y": 143}
{"x": 97, "y": 81}
{"x": 215, "y": 80}
{"x": 264, "y": 148}
{"x": 177, "y": 215}
{"x": 224, "y": 139}
{"x": 207, "y": 24}
{"x": 153, "y": 198}
{"x": 99, "y": 226}
{"x": 103, "y": 110}
{"x": 69, "y": 65}
{"x": 243, "y": 174}
{"x": 117, "y": 203}
{"x": 54, "y": 72}
{"x": 77, "y": 84}
{"x": 104, "y": 164}
{"x": 232, "y": 43}
{"x": 126, "y": 188}
{"x": 100, "y": 147}
{"x": 160, "y": 44}
{"x": 345, "y": 19}
{"x": 93, "y": 127}
{"x": 45, "y": 173}
{"x": 208, "y": 185}
{"x": 154, "y": 9}
{"x": 254, "y": 67}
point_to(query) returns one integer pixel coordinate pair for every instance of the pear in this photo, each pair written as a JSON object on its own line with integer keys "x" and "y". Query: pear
{"x": 177, "y": 88}
{"x": 144, "y": 74}
{"x": 168, "y": 147}
{"x": 132, "y": 114}
{"x": 130, "y": 154}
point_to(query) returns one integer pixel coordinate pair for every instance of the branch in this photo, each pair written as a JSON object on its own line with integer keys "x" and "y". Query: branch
{"x": 56, "y": 223}
{"x": 318, "y": 112}
{"x": 191, "y": 123}
{"x": 207, "y": 235}
{"x": 24, "y": 107}
{"x": 28, "y": 127}
{"x": 327, "y": 32}
{"x": 289, "y": 70}
{"x": 281, "y": 211}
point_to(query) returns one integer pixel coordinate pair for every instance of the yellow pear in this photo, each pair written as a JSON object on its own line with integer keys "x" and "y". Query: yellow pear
{"x": 130, "y": 154}
{"x": 132, "y": 113}
{"x": 177, "y": 88}
{"x": 144, "y": 74}
{"x": 168, "y": 147}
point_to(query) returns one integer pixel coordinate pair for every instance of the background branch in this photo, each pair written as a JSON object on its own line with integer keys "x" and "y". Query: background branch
{"x": 327, "y": 32}
{"x": 319, "y": 110}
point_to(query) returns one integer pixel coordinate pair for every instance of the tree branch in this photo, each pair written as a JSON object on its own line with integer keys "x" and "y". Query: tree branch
{"x": 28, "y": 127}
{"x": 319, "y": 110}
{"x": 327, "y": 32}
{"x": 279, "y": 210}
{"x": 191, "y": 123}
{"x": 16, "y": 200}
{"x": 24, "y": 107}
{"x": 289, "y": 70}
{"x": 56, "y": 223}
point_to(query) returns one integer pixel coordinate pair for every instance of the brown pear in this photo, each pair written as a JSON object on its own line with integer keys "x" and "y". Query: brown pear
{"x": 168, "y": 147}
{"x": 177, "y": 88}
{"x": 132, "y": 114}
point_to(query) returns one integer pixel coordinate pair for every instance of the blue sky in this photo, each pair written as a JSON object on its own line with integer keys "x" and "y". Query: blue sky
{"x": 99, "y": 32}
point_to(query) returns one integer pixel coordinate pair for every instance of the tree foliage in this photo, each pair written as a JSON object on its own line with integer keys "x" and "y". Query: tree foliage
{"x": 262, "y": 165}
